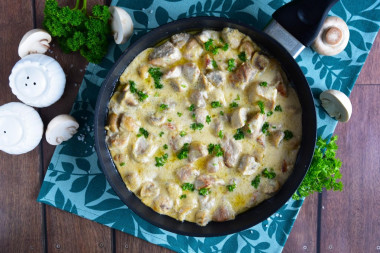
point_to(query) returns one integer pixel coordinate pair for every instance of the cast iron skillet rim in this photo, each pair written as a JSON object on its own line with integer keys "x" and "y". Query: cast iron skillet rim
{"x": 166, "y": 222}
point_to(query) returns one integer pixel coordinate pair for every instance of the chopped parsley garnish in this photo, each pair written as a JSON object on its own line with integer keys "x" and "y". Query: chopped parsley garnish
{"x": 264, "y": 128}
{"x": 165, "y": 146}
{"x": 288, "y": 135}
{"x": 156, "y": 74}
{"x": 163, "y": 107}
{"x": 237, "y": 97}
{"x": 188, "y": 187}
{"x": 261, "y": 106}
{"x": 204, "y": 191}
{"x": 209, "y": 45}
{"x": 132, "y": 87}
{"x": 160, "y": 161}
{"x": 221, "y": 134}
{"x": 208, "y": 119}
{"x": 256, "y": 181}
{"x": 143, "y": 132}
{"x": 231, "y": 187}
{"x": 234, "y": 104}
{"x": 249, "y": 131}
{"x": 239, "y": 134}
{"x": 183, "y": 196}
{"x": 182, "y": 133}
{"x": 122, "y": 164}
{"x": 183, "y": 86}
{"x": 269, "y": 113}
{"x": 169, "y": 120}
{"x": 242, "y": 56}
{"x": 161, "y": 134}
{"x": 268, "y": 174}
{"x": 216, "y": 104}
{"x": 191, "y": 108}
{"x": 197, "y": 126}
{"x": 215, "y": 51}
{"x": 263, "y": 84}
{"x": 183, "y": 153}
{"x": 221, "y": 113}
{"x": 214, "y": 64}
{"x": 231, "y": 65}
{"x": 225, "y": 47}
{"x": 278, "y": 108}
{"x": 216, "y": 149}
{"x": 179, "y": 114}
{"x": 193, "y": 115}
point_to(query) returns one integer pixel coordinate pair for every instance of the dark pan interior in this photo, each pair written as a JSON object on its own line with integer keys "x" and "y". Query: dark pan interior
{"x": 252, "y": 216}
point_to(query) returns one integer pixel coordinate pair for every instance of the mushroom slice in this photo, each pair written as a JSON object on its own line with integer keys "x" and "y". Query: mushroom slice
{"x": 336, "y": 104}
{"x": 332, "y": 38}
{"x": 121, "y": 24}
{"x": 35, "y": 41}
{"x": 60, "y": 129}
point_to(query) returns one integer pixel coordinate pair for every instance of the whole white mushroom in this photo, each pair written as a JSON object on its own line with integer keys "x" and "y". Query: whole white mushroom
{"x": 121, "y": 24}
{"x": 21, "y": 128}
{"x": 60, "y": 129}
{"x": 35, "y": 41}
{"x": 336, "y": 104}
{"x": 37, "y": 80}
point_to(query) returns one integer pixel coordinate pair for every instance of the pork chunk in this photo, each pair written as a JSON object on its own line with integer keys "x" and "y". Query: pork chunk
{"x": 128, "y": 123}
{"x": 119, "y": 140}
{"x": 243, "y": 75}
{"x": 187, "y": 173}
{"x": 201, "y": 115}
{"x": 162, "y": 203}
{"x": 213, "y": 164}
{"x": 133, "y": 180}
{"x": 248, "y": 47}
{"x": 202, "y": 217}
{"x": 207, "y": 62}
{"x": 260, "y": 61}
{"x": 178, "y": 84}
{"x": 276, "y": 137}
{"x": 190, "y": 72}
{"x": 207, "y": 181}
{"x": 196, "y": 151}
{"x": 164, "y": 55}
{"x": 193, "y": 50}
{"x": 239, "y": 117}
{"x": 205, "y": 35}
{"x": 224, "y": 212}
{"x": 255, "y": 124}
{"x": 232, "y": 150}
{"x": 218, "y": 126}
{"x": 217, "y": 95}
{"x": 280, "y": 81}
{"x": 232, "y": 36}
{"x": 204, "y": 84}
{"x": 217, "y": 78}
{"x": 149, "y": 190}
{"x": 176, "y": 141}
{"x": 248, "y": 165}
{"x": 156, "y": 118}
{"x": 112, "y": 122}
{"x": 269, "y": 94}
{"x": 189, "y": 203}
{"x": 198, "y": 98}
{"x": 127, "y": 98}
{"x": 173, "y": 73}
{"x": 180, "y": 39}
{"x": 143, "y": 149}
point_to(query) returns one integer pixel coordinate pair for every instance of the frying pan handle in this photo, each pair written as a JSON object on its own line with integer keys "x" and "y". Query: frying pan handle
{"x": 303, "y": 18}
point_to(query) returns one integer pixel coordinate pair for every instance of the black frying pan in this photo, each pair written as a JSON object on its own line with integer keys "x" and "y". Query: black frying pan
{"x": 309, "y": 126}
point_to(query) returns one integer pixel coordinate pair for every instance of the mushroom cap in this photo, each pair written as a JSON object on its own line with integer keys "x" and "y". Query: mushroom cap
{"x": 21, "y": 128}
{"x": 60, "y": 129}
{"x": 121, "y": 24}
{"x": 37, "y": 80}
{"x": 337, "y": 104}
{"x": 35, "y": 41}
{"x": 333, "y": 37}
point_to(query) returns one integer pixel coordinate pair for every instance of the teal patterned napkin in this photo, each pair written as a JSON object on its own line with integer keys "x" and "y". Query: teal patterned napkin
{"x": 74, "y": 182}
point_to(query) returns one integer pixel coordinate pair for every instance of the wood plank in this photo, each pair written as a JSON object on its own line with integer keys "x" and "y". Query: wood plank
{"x": 128, "y": 243}
{"x": 369, "y": 73}
{"x": 350, "y": 219}
{"x": 303, "y": 237}
{"x": 65, "y": 231}
{"x": 20, "y": 175}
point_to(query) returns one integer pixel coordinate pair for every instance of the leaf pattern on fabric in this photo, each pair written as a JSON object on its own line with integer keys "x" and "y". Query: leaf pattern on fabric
{"x": 75, "y": 183}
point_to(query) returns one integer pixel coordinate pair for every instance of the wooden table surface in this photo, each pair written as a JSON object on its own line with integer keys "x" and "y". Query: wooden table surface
{"x": 347, "y": 221}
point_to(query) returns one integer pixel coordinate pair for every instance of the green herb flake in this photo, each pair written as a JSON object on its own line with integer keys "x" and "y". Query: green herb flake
{"x": 183, "y": 196}
{"x": 156, "y": 74}
{"x": 191, "y": 108}
{"x": 122, "y": 164}
{"x": 208, "y": 119}
{"x": 170, "y": 120}
{"x": 221, "y": 113}
{"x": 184, "y": 152}
{"x": 210, "y": 148}
{"x": 209, "y": 45}
{"x": 269, "y": 113}
{"x": 183, "y": 86}
{"x": 231, "y": 65}
{"x": 188, "y": 187}
{"x": 161, "y": 134}
{"x": 237, "y": 98}
{"x": 179, "y": 114}
{"x": 242, "y": 56}
{"x": 193, "y": 115}
{"x": 163, "y": 107}
{"x": 221, "y": 134}
{"x": 214, "y": 64}
{"x": 216, "y": 149}
{"x": 256, "y": 181}
{"x": 165, "y": 146}
{"x": 234, "y": 105}
{"x": 263, "y": 84}
{"x": 216, "y": 104}
{"x": 182, "y": 133}
{"x": 239, "y": 134}
{"x": 261, "y": 106}
{"x": 264, "y": 128}
{"x": 268, "y": 174}
{"x": 143, "y": 132}
{"x": 197, "y": 126}
{"x": 231, "y": 187}
{"x": 288, "y": 135}
{"x": 204, "y": 191}
{"x": 225, "y": 47}
{"x": 160, "y": 161}
{"x": 278, "y": 108}
{"x": 132, "y": 88}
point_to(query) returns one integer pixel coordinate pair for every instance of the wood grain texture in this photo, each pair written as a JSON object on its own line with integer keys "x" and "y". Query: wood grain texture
{"x": 21, "y": 220}
{"x": 351, "y": 219}
{"x": 370, "y": 71}
{"x": 128, "y": 243}
{"x": 303, "y": 237}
